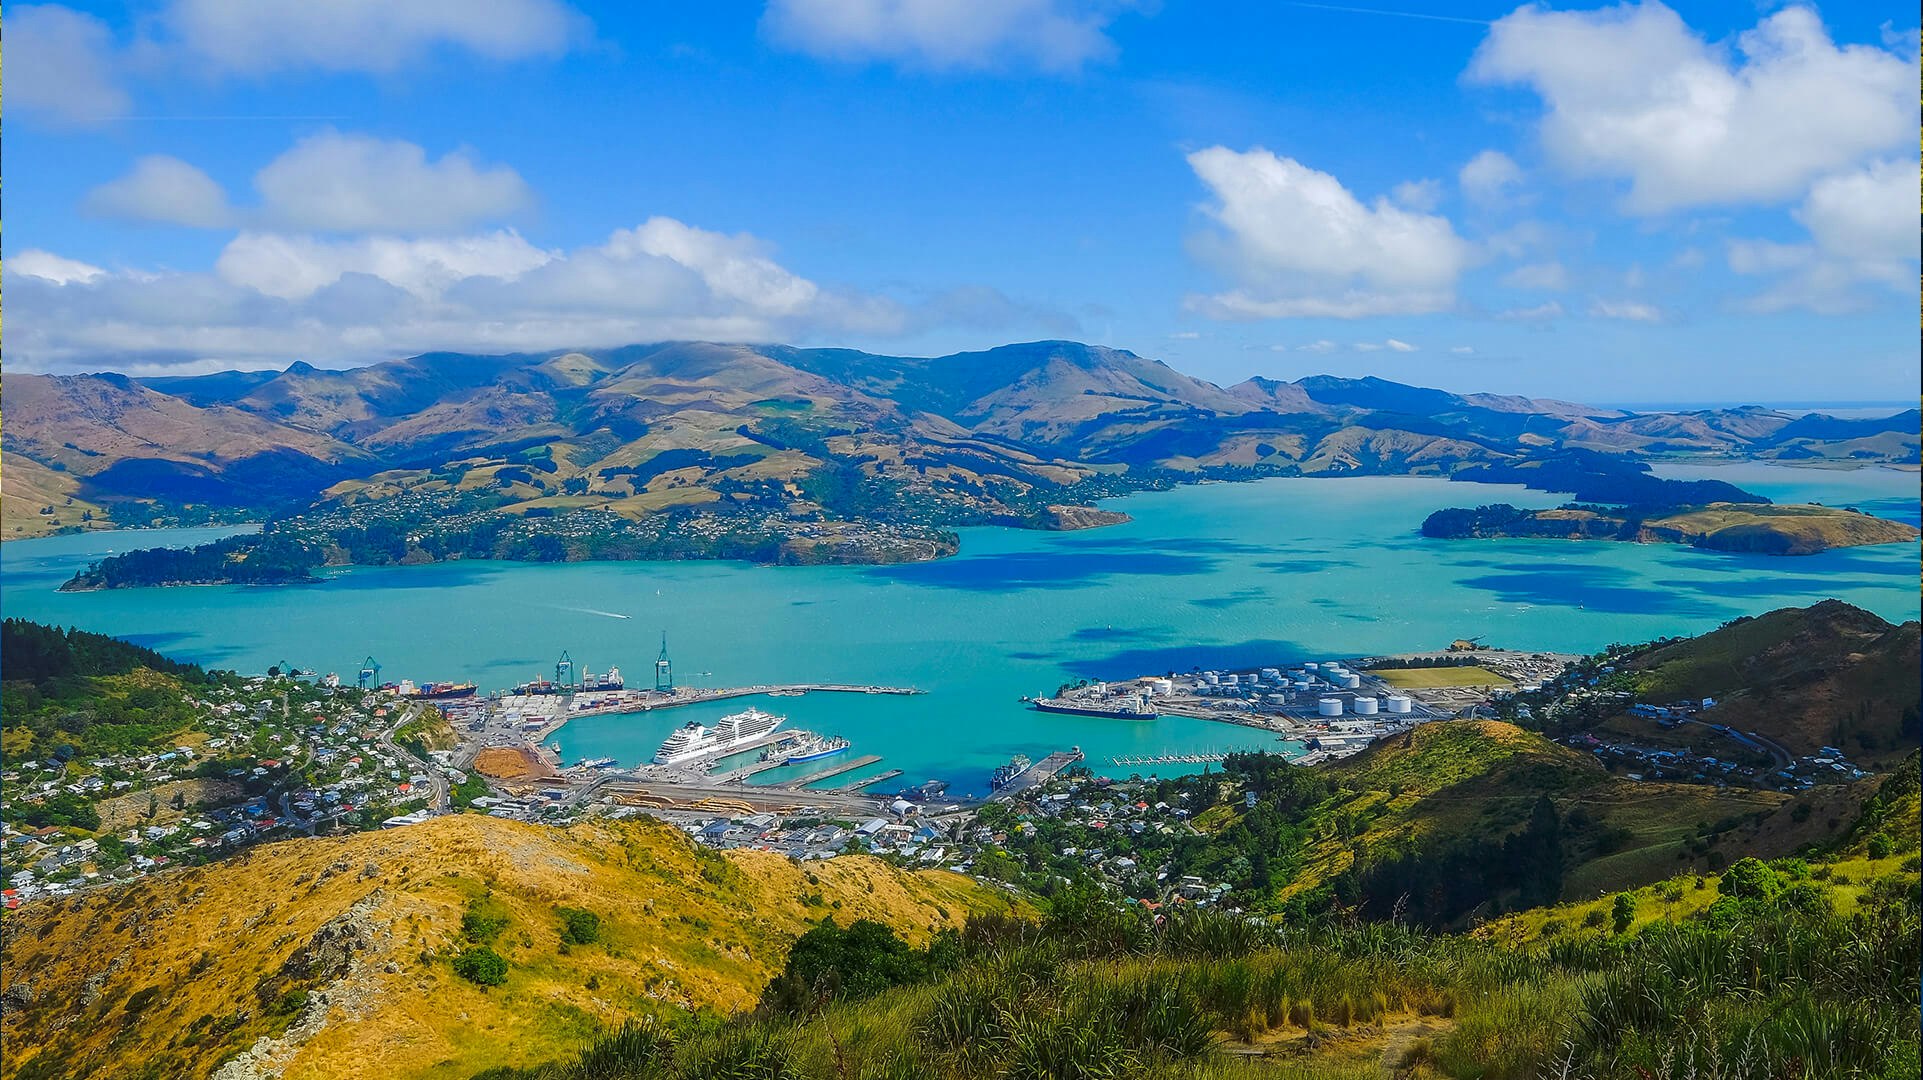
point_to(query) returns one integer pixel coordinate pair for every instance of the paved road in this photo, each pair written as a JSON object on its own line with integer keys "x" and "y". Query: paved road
{"x": 438, "y": 802}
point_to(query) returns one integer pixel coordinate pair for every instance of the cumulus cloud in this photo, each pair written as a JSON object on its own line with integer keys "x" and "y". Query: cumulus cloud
{"x": 330, "y": 182}
{"x": 1422, "y": 195}
{"x": 253, "y": 37}
{"x": 1541, "y": 313}
{"x": 1632, "y": 92}
{"x": 165, "y": 189}
{"x": 1056, "y": 36}
{"x": 1545, "y": 275}
{"x": 46, "y": 266}
{"x": 1488, "y": 177}
{"x": 1626, "y": 310}
{"x": 60, "y": 65}
{"x": 1862, "y": 230}
{"x": 1298, "y": 243}
{"x": 273, "y": 297}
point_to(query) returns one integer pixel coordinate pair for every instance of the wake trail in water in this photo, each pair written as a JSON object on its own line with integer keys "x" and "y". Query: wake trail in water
{"x": 594, "y": 611}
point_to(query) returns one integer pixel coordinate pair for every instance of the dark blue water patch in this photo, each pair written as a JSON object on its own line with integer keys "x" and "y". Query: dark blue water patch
{"x": 1765, "y": 585}
{"x": 1042, "y": 570}
{"x": 1110, "y": 633}
{"x": 1303, "y": 566}
{"x": 1211, "y": 545}
{"x": 1030, "y": 654}
{"x": 1234, "y": 599}
{"x": 1589, "y": 587}
{"x": 800, "y": 603}
{"x": 1130, "y": 663}
{"x": 448, "y": 575}
{"x": 178, "y": 646}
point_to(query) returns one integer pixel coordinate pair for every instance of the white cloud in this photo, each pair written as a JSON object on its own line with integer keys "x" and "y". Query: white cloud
{"x": 297, "y": 267}
{"x": 47, "y": 266}
{"x": 1184, "y": 335}
{"x": 1421, "y": 195}
{"x": 1399, "y": 346}
{"x": 163, "y": 189}
{"x": 330, "y": 182}
{"x": 1462, "y": 350}
{"x": 1392, "y": 345}
{"x": 1546, "y": 275}
{"x": 274, "y": 297}
{"x": 1487, "y": 177}
{"x": 60, "y": 65}
{"x": 1366, "y": 346}
{"x": 355, "y": 183}
{"x": 1057, "y": 36}
{"x": 1862, "y": 228}
{"x": 1323, "y": 346}
{"x": 1626, "y": 310}
{"x": 1632, "y": 92}
{"x": 253, "y": 37}
{"x": 1548, "y": 312}
{"x": 1298, "y": 243}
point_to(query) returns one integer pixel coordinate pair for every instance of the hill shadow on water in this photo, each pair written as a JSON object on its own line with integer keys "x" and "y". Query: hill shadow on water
{"x": 1044, "y": 569}
{"x": 1595, "y": 588}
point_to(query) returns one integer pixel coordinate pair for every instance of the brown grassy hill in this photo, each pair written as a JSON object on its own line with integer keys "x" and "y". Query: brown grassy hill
{"x": 330, "y": 958}
{"x": 1827, "y": 675}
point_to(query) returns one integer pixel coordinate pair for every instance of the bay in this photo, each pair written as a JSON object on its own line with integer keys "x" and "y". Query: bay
{"x": 1252, "y": 574}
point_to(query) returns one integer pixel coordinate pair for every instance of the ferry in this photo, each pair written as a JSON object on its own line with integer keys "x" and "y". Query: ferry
{"x": 1006, "y": 774}
{"x": 596, "y": 763}
{"x": 1134, "y": 710}
{"x": 814, "y": 750}
{"x": 733, "y": 732}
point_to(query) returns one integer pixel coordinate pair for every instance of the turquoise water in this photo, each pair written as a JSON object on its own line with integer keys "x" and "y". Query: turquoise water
{"x": 1220, "y": 574}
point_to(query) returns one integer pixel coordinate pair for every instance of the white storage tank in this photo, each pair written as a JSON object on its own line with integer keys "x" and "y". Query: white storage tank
{"x": 1350, "y": 682}
{"x": 1164, "y": 686}
{"x": 1310, "y": 667}
{"x": 1365, "y": 706}
{"x": 1303, "y": 684}
{"x": 1400, "y": 703}
{"x": 1329, "y": 706}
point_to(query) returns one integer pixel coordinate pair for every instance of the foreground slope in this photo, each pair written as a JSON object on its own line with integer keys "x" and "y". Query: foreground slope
{"x": 330, "y": 958}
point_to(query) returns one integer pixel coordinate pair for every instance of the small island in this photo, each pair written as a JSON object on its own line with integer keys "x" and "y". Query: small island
{"x": 1752, "y": 528}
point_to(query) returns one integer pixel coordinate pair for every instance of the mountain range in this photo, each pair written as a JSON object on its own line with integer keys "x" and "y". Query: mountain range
{"x": 1007, "y": 435}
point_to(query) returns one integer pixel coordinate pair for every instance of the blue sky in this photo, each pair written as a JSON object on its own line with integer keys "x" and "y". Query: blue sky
{"x": 1625, "y": 203}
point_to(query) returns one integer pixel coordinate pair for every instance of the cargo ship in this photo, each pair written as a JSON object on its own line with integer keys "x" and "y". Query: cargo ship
{"x": 537, "y": 686}
{"x": 1134, "y": 710}
{"x": 609, "y": 680}
{"x": 925, "y": 791}
{"x": 1005, "y": 774}
{"x": 435, "y": 691}
{"x": 730, "y": 733}
{"x": 811, "y": 751}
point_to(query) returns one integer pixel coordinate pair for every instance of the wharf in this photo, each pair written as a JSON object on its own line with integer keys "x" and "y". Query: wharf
{"x": 732, "y": 799}
{"x": 857, "y": 785}
{"x": 861, "y": 762}
{"x": 696, "y": 697}
{"x": 1167, "y": 759}
{"x": 1037, "y": 774}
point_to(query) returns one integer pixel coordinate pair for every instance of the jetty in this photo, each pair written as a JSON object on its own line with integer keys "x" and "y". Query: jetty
{"x": 1037, "y": 774}
{"x": 861, "y": 762}
{"x": 1130, "y": 762}
{"x": 696, "y": 697}
{"x": 857, "y": 785}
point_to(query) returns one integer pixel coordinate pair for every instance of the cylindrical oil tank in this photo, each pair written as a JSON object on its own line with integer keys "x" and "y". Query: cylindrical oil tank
{"x": 1400, "y": 703}
{"x": 1329, "y": 706}
{"x": 1365, "y": 706}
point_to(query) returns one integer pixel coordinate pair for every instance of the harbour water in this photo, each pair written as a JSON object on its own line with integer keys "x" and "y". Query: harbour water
{"x": 1253, "y": 574}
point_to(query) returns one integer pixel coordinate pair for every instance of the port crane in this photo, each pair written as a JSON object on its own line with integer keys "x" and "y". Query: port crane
{"x": 370, "y": 672}
{"x": 564, "y": 670}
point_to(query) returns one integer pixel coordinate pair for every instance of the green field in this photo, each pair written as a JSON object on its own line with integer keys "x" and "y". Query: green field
{"x": 1425, "y": 678}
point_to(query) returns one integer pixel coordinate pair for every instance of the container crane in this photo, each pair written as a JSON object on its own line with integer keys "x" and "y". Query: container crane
{"x": 370, "y": 673}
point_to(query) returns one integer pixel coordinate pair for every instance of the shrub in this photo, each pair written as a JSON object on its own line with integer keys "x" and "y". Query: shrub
{"x": 484, "y": 920}
{"x": 579, "y": 927}
{"x": 1623, "y": 912}
{"x": 482, "y": 966}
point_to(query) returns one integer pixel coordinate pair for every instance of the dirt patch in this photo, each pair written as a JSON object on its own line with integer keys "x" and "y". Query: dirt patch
{"x": 126, "y": 811}
{"x": 510, "y": 763}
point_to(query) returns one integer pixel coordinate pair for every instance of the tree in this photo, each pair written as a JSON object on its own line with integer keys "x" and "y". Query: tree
{"x": 578, "y": 926}
{"x": 1623, "y": 911}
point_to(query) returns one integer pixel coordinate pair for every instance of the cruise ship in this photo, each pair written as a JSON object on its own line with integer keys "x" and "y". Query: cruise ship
{"x": 732, "y": 732}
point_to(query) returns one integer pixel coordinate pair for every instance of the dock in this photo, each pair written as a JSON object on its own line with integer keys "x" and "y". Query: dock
{"x": 857, "y": 785}
{"x": 696, "y": 697}
{"x": 1129, "y": 762}
{"x": 1037, "y": 774}
{"x": 861, "y": 762}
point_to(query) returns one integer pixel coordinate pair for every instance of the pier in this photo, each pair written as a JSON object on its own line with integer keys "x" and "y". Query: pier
{"x": 857, "y": 785}
{"x": 1130, "y": 762}
{"x": 1038, "y": 774}
{"x": 861, "y": 762}
{"x": 696, "y": 697}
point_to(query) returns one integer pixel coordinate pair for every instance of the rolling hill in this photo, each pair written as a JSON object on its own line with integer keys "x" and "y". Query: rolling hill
{"x": 985, "y": 437}
{"x": 332, "y": 958}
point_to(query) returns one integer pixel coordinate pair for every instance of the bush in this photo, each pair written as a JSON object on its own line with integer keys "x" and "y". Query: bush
{"x": 1623, "y": 912}
{"x": 579, "y": 927}
{"x": 484, "y": 920}
{"x": 482, "y": 966}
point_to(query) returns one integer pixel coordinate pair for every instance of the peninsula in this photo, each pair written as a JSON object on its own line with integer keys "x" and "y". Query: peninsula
{"x": 1750, "y": 528}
